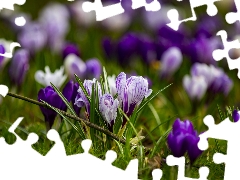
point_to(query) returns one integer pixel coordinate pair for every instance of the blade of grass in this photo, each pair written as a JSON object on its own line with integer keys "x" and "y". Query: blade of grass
{"x": 81, "y": 134}
{"x": 64, "y": 99}
{"x": 150, "y": 98}
{"x": 82, "y": 87}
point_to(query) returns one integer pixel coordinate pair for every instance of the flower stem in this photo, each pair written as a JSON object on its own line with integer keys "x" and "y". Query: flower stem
{"x": 105, "y": 131}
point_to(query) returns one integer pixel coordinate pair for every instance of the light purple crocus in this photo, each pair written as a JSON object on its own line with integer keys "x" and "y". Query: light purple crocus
{"x": 55, "y": 19}
{"x": 19, "y": 66}
{"x": 170, "y": 62}
{"x": 108, "y": 108}
{"x": 81, "y": 100}
{"x": 75, "y": 65}
{"x": 33, "y": 37}
{"x": 195, "y": 86}
{"x": 94, "y": 68}
{"x": 131, "y": 92}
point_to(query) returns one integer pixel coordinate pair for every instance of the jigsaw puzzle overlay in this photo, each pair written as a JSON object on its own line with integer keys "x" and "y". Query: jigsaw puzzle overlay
{"x": 21, "y": 157}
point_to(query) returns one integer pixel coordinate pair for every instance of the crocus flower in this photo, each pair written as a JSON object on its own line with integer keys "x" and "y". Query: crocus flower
{"x": 108, "y": 108}
{"x": 19, "y": 66}
{"x": 74, "y": 65}
{"x": 70, "y": 48}
{"x": 94, "y": 68}
{"x": 202, "y": 69}
{"x": 127, "y": 47}
{"x": 170, "y": 61}
{"x": 201, "y": 48}
{"x": 51, "y": 97}
{"x": 235, "y": 115}
{"x": 183, "y": 138}
{"x": 221, "y": 83}
{"x": 55, "y": 19}
{"x": 67, "y": 93}
{"x": 57, "y": 78}
{"x": 81, "y": 100}
{"x": 147, "y": 49}
{"x": 195, "y": 86}
{"x": 108, "y": 47}
{"x": 208, "y": 25}
{"x": 74, "y": 96}
{"x": 33, "y": 37}
{"x": 131, "y": 92}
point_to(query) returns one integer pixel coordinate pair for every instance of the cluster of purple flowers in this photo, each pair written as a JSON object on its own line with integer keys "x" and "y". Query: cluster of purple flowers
{"x": 131, "y": 91}
{"x": 206, "y": 78}
{"x": 84, "y": 70}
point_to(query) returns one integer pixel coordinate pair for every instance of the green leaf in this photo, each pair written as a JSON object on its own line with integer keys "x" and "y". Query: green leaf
{"x": 68, "y": 105}
{"x": 106, "y": 80}
{"x": 118, "y": 122}
{"x": 64, "y": 99}
{"x": 92, "y": 114}
{"x": 79, "y": 131}
{"x": 155, "y": 148}
{"x": 83, "y": 88}
{"x": 142, "y": 105}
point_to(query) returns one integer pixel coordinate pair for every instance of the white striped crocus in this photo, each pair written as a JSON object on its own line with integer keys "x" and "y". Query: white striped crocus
{"x": 108, "y": 108}
{"x": 131, "y": 92}
{"x": 81, "y": 100}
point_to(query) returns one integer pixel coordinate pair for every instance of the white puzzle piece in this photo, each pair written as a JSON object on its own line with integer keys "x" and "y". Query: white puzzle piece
{"x": 231, "y": 135}
{"x": 173, "y": 14}
{"x": 180, "y": 162}
{"x": 224, "y": 53}
{"x": 25, "y": 162}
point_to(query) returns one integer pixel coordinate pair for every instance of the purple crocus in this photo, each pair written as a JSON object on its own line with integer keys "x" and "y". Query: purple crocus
{"x": 131, "y": 92}
{"x": 201, "y": 48}
{"x": 94, "y": 68}
{"x": 67, "y": 93}
{"x": 74, "y": 96}
{"x": 147, "y": 49}
{"x": 33, "y": 37}
{"x": 170, "y": 61}
{"x": 2, "y": 51}
{"x": 19, "y": 66}
{"x": 127, "y": 47}
{"x": 221, "y": 83}
{"x": 51, "y": 97}
{"x": 70, "y": 48}
{"x": 75, "y": 65}
{"x": 108, "y": 108}
{"x": 183, "y": 138}
{"x": 108, "y": 47}
{"x": 235, "y": 115}
{"x": 81, "y": 100}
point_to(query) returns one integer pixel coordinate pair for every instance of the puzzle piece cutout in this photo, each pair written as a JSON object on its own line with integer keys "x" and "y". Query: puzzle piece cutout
{"x": 231, "y": 135}
{"x": 8, "y": 4}
{"x": 12, "y": 46}
{"x": 173, "y": 14}
{"x": 180, "y": 162}
{"x": 224, "y": 53}
{"x": 232, "y": 17}
{"x": 21, "y": 160}
{"x": 116, "y": 9}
